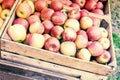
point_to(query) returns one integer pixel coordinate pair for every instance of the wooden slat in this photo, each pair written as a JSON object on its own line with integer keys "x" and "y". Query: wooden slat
{"x": 49, "y": 66}
{"x": 11, "y": 76}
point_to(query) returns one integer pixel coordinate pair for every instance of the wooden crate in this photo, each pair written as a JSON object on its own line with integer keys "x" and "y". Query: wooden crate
{"x": 7, "y": 20}
{"x": 53, "y": 59}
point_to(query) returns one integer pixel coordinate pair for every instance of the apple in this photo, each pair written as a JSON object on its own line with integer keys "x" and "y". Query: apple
{"x": 82, "y": 32}
{"x": 56, "y": 5}
{"x": 84, "y": 13}
{"x": 68, "y": 48}
{"x": 17, "y": 32}
{"x": 33, "y": 18}
{"x": 86, "y": 22}
{"x": 52, "y": 44}
{"x": 73, "y": 23}
{"x": 0, "y": 9}
{"x": 104, "y": 57}
{"x": 96, "y": 21}
{"x": 99, "y": 5}
{"x": 94, "y": 33}
{"x": 89, "y": 43}
{"x": 24, "y": 10}
{"x": 38, "y": 14}
{"x": 74, "y": 13}
{"x": 40, "y": 4}
{"x": 96, "y": 0}
{"x": 98, "y": 11}
{"x": 75, "y": 6}
{"x": 1, "y": 1}
{"x": 59, "y": 18}
{"x": 47, "y": 26}
{"x": 66, "y": 2}
{"x": 35, "y": 40}
{"x": 84, "y": 54}
{"x": 57, "y": 31}
{"x": 69, "y": 34}
{"x": 81, "y": 41}
{"x": 5, "y": 13}
{"x": 95, "y": 48}
{"x": 90, "y": 5}
{"x": 81, "y": 3}
{"x": 105, "y": 42}
{"x": 7, "y": 4}
{"x": 103, "y": 0}
{"x": 104, "y": 32}
{"x": 46, "y": 36}
{"x": 36, "y": 27}
{"x": 1, "y": 22}
{"x": 46, "y": 13}
{"x": 30, "y": 2}
{"x": 21, "y": 21}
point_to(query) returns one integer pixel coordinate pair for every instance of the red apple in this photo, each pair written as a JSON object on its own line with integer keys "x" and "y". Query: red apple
{"x": 86, "y": 22}
{"x": 37, "y": 13}
{"x": 84, "y": 54}
{"x": 98, "y": 11}
{"x": 96, "y": 0}
{"x": 94, "y": 33}
{"x": 21, "y": 21}
{"x": 46, "y": 14}
{"x": 73, "y": 23}
{"x": 103, "y": 0}
{"x": 104, "y": 57}
{"x": 46, "y": 36}
{"x": 66, "y": 2}
{"x": 36, "y": 27}
{"x": 68, "y": 48}
{"x": 56, "y": 5}
{"x": 33, "y": 18}
{"x": 82, "y": 32}
{"x": 1, "y": 1}
{"x": 69, "y": 34}
{"x": 96, "y": 21}
{"x": 75, "y": 6}
{"x": 40, "y": 4}
{"x": 47, "y": 26}
{"x": 95, "y": 48}
{"x": 7, "y": 4}
{"x": 59, "y": 18}
{"x": 81, "y": 3}
{"x": 52, "y": 44}
{"x": 90, "y": 5}
{"x": 74, "y": 13}
{"x": 99, "y": 5}
{"x": 57, "y": 31}
{"x": 84, "y": 13}
{"x": 35, "y": 40}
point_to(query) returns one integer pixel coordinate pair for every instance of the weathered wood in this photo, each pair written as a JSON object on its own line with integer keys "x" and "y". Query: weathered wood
{"x": 50, "y": 66}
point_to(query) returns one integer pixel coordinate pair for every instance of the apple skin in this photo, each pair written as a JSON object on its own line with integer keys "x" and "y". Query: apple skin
{"x": 66, "y": 2}
{"x": 84, "y": 54}
{"x": 59, "y": 18}
{"x": 56, "y": 5}
{"x": 94, "y": 33}
{"x": 105, "y": 42}
{"x": 90, "y": 5}
{"x": 46, "y": 36}
{"x": 73, "y": 23}
{"x": 75, "y": 6}
{"x": 35, "y": 40}
{"x": 104, "y": 32}
{"x": 96, "y": 21}
{"x": 84, "y": 13}
{"x": 99, "y": 5}
{"x": 47, "y": 13}
{"x": 1, "y": 1}
{"x": 1, "y": 22}
{"x": 5, "y": 13}
{"x": 68, "y": 48}
{"x": 74, "y": 13}
{"x": 104, "y": 57}
{"x": 52, "y": 44}
{"x": 38, "y": 14}
{"x": 7, "y": 4}
{"x": 0, "y": 9}
{"x": 98, "y": 11}
{"x": 57, "y": 31}
{"x": 36, "y": 27}
{"x": 21, "y": 21}
{"x": 33, "y": 18}
{"x": 103, "y": 0}
{"x": 40, "y": 4}
{"x": 48, "y": 25}
{"x": 82, "y": 32}
{"x": 86, "y": 22}
{"x": 23, "y": 10}
{"x": 95, "y": 48}
{"x": 81, "y": 41}
{"x": 69, "y": 34}
{"x": 81, "y": 3}
{"x": 17, "y": 32}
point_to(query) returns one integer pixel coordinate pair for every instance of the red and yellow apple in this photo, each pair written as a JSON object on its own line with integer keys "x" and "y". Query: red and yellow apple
{"x": 5, "y": 13}
{"x": 7, "y": 4}
{"x": 81, "y": 3}
{"x": 104, "y": 32}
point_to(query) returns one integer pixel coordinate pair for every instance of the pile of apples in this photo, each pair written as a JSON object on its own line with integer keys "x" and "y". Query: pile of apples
{"x": 5, "y": 7}
{"x": 63, "y": 27}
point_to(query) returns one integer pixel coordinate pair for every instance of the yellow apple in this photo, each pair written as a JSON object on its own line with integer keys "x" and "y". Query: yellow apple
{"x": 0, "y": 9}
{"x": 5, "y": 13}
{"x": 104, "y": 32}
